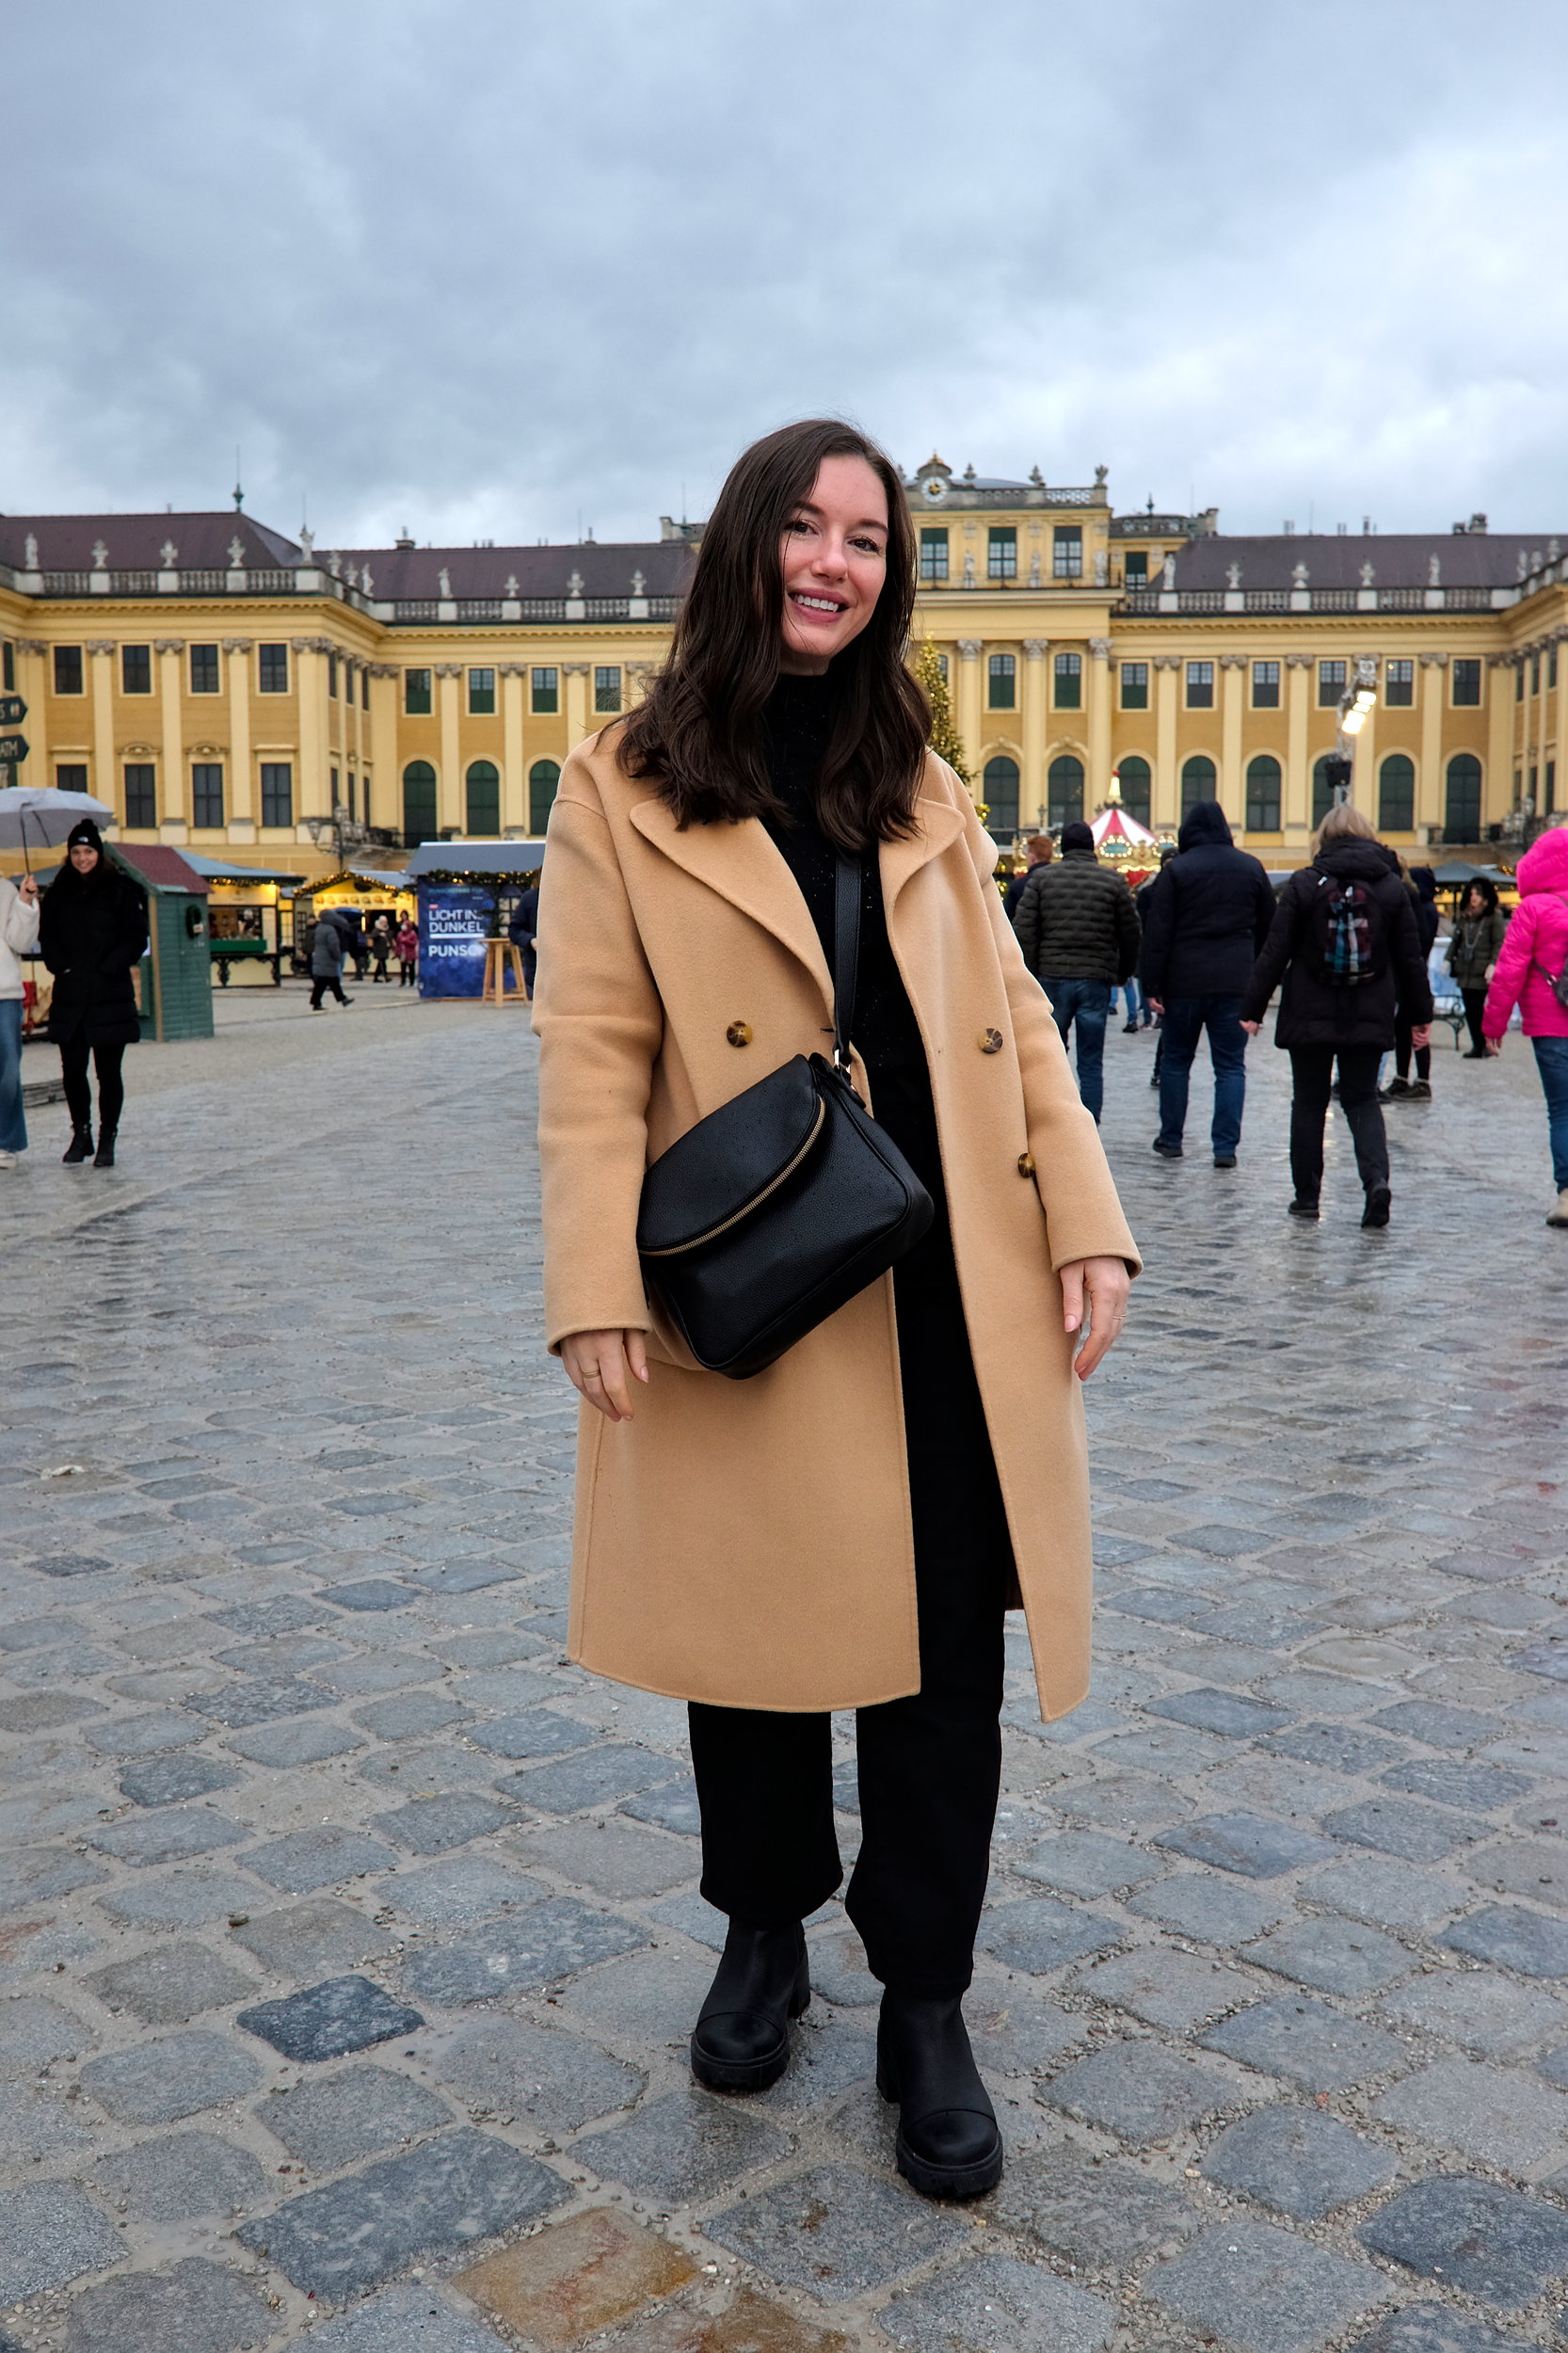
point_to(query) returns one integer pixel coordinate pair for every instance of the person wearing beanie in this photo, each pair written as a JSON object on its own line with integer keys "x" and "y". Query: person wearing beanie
{"x": 92, "y": 934}
{"x": 1079, "y": 930}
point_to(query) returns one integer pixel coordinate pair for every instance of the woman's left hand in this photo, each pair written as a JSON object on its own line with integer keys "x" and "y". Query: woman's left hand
{"x": 1095, "y": 1288}
{"x": 1252, "y": 1027}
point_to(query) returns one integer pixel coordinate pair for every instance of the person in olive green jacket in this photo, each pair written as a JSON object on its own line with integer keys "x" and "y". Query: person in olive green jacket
{"x": 1479, "y": 929}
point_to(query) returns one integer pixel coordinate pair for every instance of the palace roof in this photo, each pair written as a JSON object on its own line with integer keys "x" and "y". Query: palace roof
{"x": 599, "y": 567}
{"x": 135, "y": 543}
{"x": 1464, "y": 559}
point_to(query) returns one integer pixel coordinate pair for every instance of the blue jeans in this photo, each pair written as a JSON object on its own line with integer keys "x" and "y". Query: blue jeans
{"x": 1088, "y": 1004}
{"x": 1186, "y": 1018}
{"x": 13, "y": 1125}
{"x": 1551, "y": 1060}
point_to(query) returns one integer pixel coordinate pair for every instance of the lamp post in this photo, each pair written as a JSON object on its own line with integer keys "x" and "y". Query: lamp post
{"x": 1356, "y": 705}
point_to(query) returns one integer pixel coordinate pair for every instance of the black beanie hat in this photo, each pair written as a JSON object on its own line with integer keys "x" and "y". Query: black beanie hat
{"x": 1077, "y": 836}
{"x": 84, "y": 830}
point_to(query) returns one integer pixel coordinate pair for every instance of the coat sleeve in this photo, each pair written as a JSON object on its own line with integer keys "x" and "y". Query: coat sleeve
{"x": 1512, "y": 968}
{"x": 1129, "y": 931}
{"x": 1272, "y": 957}
{"x": 1083, "y": 1215}
{"x": 1158, "y": 912}
{"x": 1265, "y": 907}
{"x": 1026, "y": 922}
{"x": 600, "y": 1023}
{"x": 19, "y": 926}
{"x": 130, "y": 940}
{"x": 1410, "y": 966}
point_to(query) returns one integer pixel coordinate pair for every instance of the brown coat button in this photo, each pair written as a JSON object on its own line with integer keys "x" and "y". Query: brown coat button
{"x": 989, "y": 1041}
{"x": 1026, "y": 1163}
{"x": 738, "y": 1033}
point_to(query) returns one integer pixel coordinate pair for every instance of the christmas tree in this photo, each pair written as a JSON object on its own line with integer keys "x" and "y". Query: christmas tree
{"x": 945, "y": 741}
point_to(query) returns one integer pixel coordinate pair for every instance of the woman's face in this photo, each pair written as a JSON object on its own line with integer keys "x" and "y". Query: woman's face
{"x": 834, "y": 557}
{"x": 1475, "y": 904}
{"x": 83, "y": 857}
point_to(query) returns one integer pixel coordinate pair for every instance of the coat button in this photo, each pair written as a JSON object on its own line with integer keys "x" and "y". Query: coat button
{"x": 738, "y": 1033}
{"x": 989, "y": 1041}
{"x": 1026, "y": 1163}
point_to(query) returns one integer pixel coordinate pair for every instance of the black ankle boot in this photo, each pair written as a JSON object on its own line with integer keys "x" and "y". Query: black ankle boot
{"x": 949, "y": 2145}
{"x": 740, "y": 2041}
{"x": 80, "y": 1146}
{"x": 104, "y": 1156}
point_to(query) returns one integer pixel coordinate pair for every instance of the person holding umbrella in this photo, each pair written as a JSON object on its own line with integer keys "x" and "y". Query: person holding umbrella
{"x": 19, "y": 921}
{"x": 93, "y": 934}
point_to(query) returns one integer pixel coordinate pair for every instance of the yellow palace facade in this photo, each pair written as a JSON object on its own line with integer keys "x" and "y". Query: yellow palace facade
{"x": 272, "y": 704}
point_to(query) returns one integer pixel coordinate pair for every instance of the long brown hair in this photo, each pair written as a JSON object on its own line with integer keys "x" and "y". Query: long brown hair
{"x": 699, "y": 735}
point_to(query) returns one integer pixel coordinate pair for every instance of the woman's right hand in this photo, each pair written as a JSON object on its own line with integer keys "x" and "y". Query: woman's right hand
{"x": 1252, "y": 1027}
{"x": 601, "y": 1367}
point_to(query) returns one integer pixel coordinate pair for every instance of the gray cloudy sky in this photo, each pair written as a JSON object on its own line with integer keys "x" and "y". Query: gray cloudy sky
{"x": 492, "y": 267}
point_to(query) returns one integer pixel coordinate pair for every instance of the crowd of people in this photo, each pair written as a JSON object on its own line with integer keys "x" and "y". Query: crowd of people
{"x": 1206, "y": 942}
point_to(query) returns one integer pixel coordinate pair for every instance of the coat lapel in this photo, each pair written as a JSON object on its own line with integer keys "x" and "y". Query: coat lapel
{"x": 940, "y": 825}
{"x": 741, "y": 863}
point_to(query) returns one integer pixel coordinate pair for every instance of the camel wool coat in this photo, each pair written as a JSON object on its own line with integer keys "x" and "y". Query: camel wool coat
{"x": 749, "y": 1543}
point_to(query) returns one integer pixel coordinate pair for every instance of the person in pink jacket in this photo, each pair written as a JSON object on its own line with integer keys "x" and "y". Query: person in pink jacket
{"x": 1533, "y": 955}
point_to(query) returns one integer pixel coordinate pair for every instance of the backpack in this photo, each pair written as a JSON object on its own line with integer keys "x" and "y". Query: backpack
{"x": 1348, "y": 933}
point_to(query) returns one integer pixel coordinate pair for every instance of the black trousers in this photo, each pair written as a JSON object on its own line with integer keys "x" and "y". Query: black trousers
{"x": 111, "y": 1087}
{"x": 1475, "y": 1006}
{"x": 929, "y": 1766}
{"x": 1312, "y": 1075}
{"x": 1404, "y": 1044}
{"x": 319, "y": 986}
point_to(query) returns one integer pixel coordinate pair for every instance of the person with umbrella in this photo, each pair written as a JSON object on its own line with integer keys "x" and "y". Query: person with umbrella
{"x": 93, "y": 934}
{"x": 19, "y": 921}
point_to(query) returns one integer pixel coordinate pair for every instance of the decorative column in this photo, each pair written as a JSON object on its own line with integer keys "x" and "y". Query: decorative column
{"x": 514, "y": 789}
{"x": 971, "y": 721}
{"x": 450, "y": 808}
{"x": 173, "y": 784}
{"x": 242, "y": 811}
{"x": 1232, "y": 793}
{"x": 1296, "y": 812}
{"x": 1428, "y": 780}
{"x": 1032, "y": 797}
{"x": 1099, "y": 720}
{"x": 106, "y": 783}
{"x": 1166, "y": 806}
{"x": 576, "y": 676}
{"x": 1496, "y": 790}
{"x": 388, "y": 780}
{"x": 310, "y": 680}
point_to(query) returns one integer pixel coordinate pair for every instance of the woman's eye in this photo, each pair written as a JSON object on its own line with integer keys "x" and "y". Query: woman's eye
{"x": 800, "y": 524}
{"x": 867, "y": 547}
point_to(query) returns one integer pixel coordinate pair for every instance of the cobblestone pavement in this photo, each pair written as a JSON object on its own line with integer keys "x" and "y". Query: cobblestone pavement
{"x": 349, "y": 1942}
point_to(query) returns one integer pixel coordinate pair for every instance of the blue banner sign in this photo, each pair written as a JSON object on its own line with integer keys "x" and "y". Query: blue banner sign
{"x": 453, "y": 925}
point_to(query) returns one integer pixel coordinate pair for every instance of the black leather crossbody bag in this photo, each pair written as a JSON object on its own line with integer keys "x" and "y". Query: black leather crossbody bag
{"x": 783, "y": 1204}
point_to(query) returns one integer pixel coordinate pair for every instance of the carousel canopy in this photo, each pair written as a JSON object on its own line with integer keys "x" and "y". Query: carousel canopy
{"x": 1113, "y": 830}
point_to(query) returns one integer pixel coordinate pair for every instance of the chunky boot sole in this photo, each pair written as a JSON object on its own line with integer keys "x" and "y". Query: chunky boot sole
{"x": 941, "y": 2181}
{"x": 758, "y": 2074}
{"x": 1380, "y": 1201}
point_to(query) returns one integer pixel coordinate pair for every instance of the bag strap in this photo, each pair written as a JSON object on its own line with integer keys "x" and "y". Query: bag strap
{"x": 846, "y": 953}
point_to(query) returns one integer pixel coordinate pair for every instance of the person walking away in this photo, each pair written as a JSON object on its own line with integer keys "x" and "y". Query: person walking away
{"x": 380, "y": 949}
{"x": 1078, "y": 928}
{"x": 1038, "y": 851}
{"x": 1532, "y": 973}
{"x": 327, "y": 954}
{"x": 1422, "y": 884}
{"x": 19, "y": 926}
{"x": 1345, "y": 945}
{"x": 1480, "y": 929}
{"x": 844, "y": 1529}
{"x": 93, "y": 934}
{"x": 523, "y": 928}
{"x": 407, "y": 952}
{"x": 1205, "y": 923}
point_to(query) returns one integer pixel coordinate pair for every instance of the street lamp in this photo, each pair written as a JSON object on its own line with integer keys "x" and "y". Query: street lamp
{"x": 1357, "y": 706}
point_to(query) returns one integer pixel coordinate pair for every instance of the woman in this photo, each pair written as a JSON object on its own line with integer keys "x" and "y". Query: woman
{"x": 1480, "y": 929}
{"x": 407, "y": 952}
{"x": 1345, "y": 943}
{"x": 19, "y": 921}
{"x": 846, "y": 1529}
{"x": 381, "y": 949}
{"x": 328, "y": 949}
{"x": 93, "y": 934}
{"x": 1422, "y": 886}
{"x": 1531, "y": 961}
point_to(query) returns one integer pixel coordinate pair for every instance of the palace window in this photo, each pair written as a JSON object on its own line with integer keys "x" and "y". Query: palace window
{"x": 1198, "y": 780}
{"x": 1467, "y": 687}
{"x": 68, "y": 669}
{"x": 1535, "y": 674}
{"x": 1397, "y": 794}
{"x": 1263, "y": 778}
{"x": 8, "y": 667}
{"x": 416, "y": 693}
{"x": 1000, "y": 793}
{"x": 1265, "y": 695}
{"x": 206, "y": 794}
{"x": 1551, "y": 666}
{"x": 419, "y": 803}
{"x": 272, "y": 669}
{"x": 1066, "y": 551}
{"x": 483, "y": 797}
{"x": 1200, "y": 686}
{"x": 1001, "y": 554}
{"x": 331, "y": 674}
{"x": 1003, "y": 681}
{"x": 364, "y": 687}
{"x": 481, "y": 693}
{"x": 1322, "y": 789}
{"x": 277, "y": 793}
{"x": 543, "y": 777}
{"x": 1461, "y": 810}
{"x": 1069, "y": 681}
{"x": 607, "y": 686}
{"x": 204, "y": 670}
{"x": 1135, "y": 572}
{"x": 1519, "y": 681}
{"x": 70, "y": 775}
{"x": 1135, "y": 685}
{"x": 1330, "y": 684}
{"x": 1065, "y": 792}
{"x": 934, "y": 552}
{"x": 1137, "y": 786}
{"x": 141, "y": 793}
{"x": 1550, "y": 809}
{"x": 546, "y": 695}
{"x": 136, "y": 669}
{"x": 1398, "y": 684}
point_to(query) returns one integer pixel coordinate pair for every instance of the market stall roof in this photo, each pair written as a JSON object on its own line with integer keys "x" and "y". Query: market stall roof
{"x": 216, "y": 870}
{"x": 153, "y": 863}
{"x": 1459, "y": 870}
{"x": 378, "y": 874}
{"x": 475, "y": 858}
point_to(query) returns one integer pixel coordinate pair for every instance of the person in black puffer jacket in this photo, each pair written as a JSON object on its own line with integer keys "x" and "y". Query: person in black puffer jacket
{"x": 93, "y": 934}
{"x": 1079, "y": 931}
{"x": 1206, "y": 919}
{"x": 1319, "y": 1022}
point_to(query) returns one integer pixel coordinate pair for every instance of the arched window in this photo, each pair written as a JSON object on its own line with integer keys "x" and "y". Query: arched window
{"x": 1198, "y": 780}
{"x": 543, "y": 777}
{"x": 1322, "y": 789}
{"x": 418, "y": 804}
{"x": 1000, "y": 793}
{"x": 1065, "y": 788}
{"x": 1263, "y": 793}
{"x": 1462, "y": 813}
{"x": 1137, "y": 785}
{"x": 1397, "y": 794}
{"x": 483, "y": 797}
